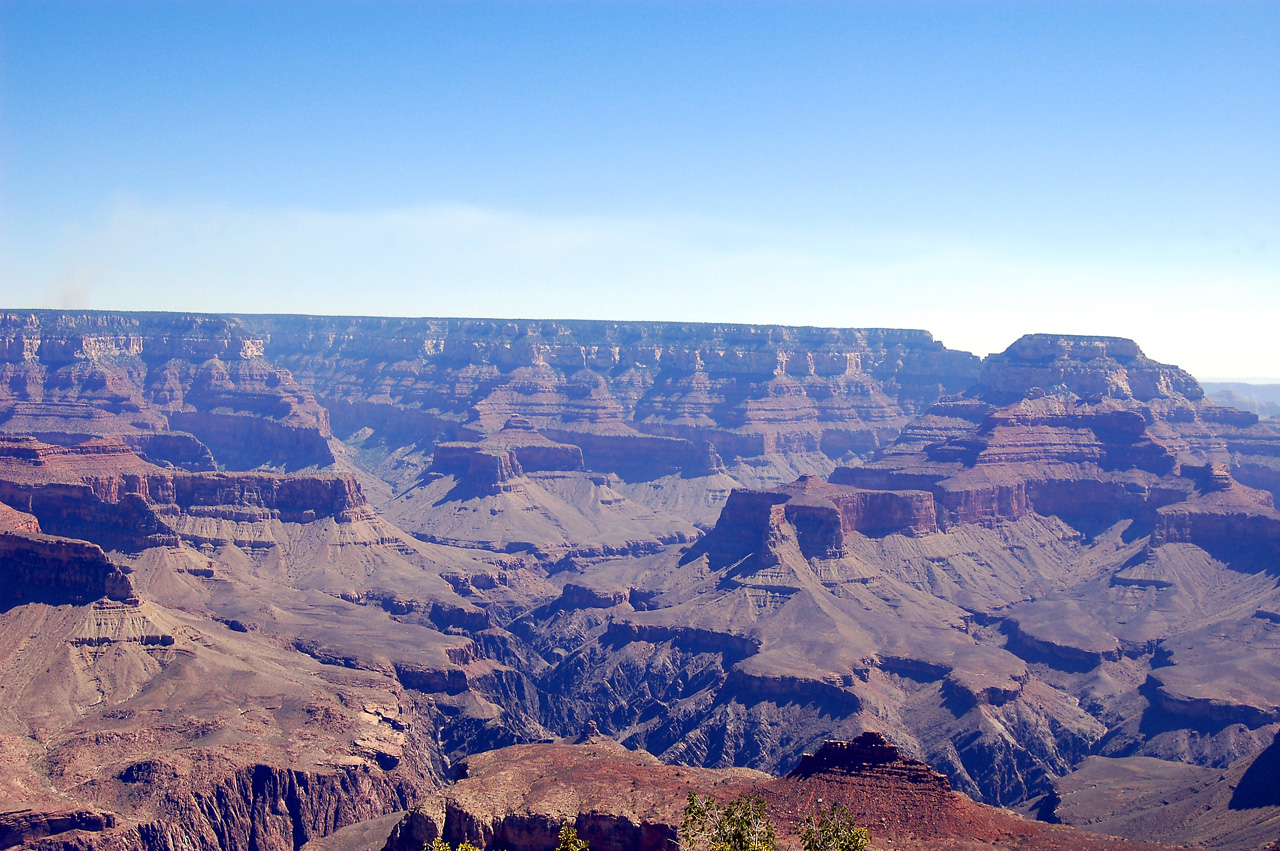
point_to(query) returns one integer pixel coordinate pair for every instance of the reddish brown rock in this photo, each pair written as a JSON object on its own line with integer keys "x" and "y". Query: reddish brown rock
{"x": 22, "y": 827}
{"x": 44, "y": 567}
{"x": 100, "y": 490}
{"x": 487, "y": 464}
{"x": 12, "y": 520}
{"x": 68, "y": 376}
{"x": 745, "y": 390}
{"x": 821, "y": 514}
{"x": 618, "y": 800}
{"x": 1030, "y": 573}
{"x": 1090, "y": 367}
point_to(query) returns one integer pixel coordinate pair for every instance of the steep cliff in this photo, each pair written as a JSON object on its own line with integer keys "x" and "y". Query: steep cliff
{"x": 640, "y": 399}
{"x": 101, "y": 491}
{"x": 1118, "y": 556}
{"x": 170, "y": 729}
{"x": 269, "y": 565}
{"x": 66, "y": 376}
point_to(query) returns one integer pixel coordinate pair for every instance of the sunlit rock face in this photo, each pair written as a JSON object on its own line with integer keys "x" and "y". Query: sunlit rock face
{"x": 616, "y": 799}
{"x": 261, "y": 577}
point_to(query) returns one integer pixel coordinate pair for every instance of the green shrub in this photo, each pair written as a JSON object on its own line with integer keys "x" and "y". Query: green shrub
{"x": 741, "y": 825}
{"x": 569, "y": 841}
{"x": 438, "y": 844}
{"x": 833, "y": 830}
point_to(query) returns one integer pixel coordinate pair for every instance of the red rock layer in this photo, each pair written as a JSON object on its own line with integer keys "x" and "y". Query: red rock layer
{"x": 746, "y": 390}
{"x": 487, "y": 464}
{"x": 76, "y": 375}
{"x": 21, "y": 827}
{"x": 43, "y": 567}
{"x": 820, "y": 514}
{"x": 516, "y": 798}
{"x": 101, "y": 491}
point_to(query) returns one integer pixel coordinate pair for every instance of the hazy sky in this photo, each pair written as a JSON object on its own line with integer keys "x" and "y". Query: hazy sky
{"x": 978, "y": 169}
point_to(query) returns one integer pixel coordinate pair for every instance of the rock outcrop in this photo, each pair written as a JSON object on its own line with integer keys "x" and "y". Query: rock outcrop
{"x": 101, "y": 491}
{"x": 48, "y": 568}
{"x": 869, "y": 753}
{"x": 486, "y": 465}
{"x": 517, "y": 798}
{"x": 68, "y": 376}
{"x": 258, "y": 567}
{"x": 23, "y": 827}
{"x": 1106, "y": 440}
{"x": 820, "y": 513}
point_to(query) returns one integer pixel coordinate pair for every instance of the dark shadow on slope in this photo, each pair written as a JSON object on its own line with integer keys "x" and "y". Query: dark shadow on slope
{"x": 1245, "y": 554}
{"x": 1157, "y": 720}
{"x": 1260, "y": 784}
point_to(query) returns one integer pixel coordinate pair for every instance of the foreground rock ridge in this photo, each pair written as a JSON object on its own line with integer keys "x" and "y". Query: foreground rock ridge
{"x": 618, "y": 800}
{"x": 262, "y": 577}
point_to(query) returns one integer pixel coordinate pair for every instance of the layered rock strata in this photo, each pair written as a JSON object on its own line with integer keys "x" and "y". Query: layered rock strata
{"x": 68, "y": 376}
{"x": 1038, "y": 562}
{"x": 1077, "y": 561}
{"x": 100, "y": 490}
{"x": 640, "y": 399}
{"x": 487, "y": 464}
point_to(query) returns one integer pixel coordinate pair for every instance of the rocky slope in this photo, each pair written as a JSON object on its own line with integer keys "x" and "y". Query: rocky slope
{"x": 1173, "y": 802}
{"x": 297, "y": 567}
{"x": 620, "y": 800}
{"x": 1023, "y": 579}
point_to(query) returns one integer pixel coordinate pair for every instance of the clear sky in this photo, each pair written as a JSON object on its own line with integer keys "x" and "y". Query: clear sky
{"x": 978, "y": 169}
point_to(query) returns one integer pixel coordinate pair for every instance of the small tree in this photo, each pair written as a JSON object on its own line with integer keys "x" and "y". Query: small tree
{"x": 834, "y": 830}
{"x": 569, "y": 841}
{"x": 741, "y": 825}
{"x": 438, "y": 844}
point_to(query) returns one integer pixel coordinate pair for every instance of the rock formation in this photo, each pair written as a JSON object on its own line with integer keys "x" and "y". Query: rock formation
{"x": 261, "y": 577}
{"x": 1088, "y": 550}
{"x": 618, "y": 800}
{"x": 202, "y": 379}
{"x": 1173, "y": 802}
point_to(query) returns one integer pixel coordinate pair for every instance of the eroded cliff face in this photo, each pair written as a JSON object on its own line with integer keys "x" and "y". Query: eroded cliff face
{"x": 68, "y": 376}
{"x": 652, "y": 404}
{"x": 640, "y": 399}
{"x": 101, "y": 490}
{"x": 153, "y": 694}
{"x": 255, "y": 806}
{"x": 273, "y": 564}
{"x": 169, "y": 729}
{"x": 36, "y": 566}
{"x": 1064, "y": 555}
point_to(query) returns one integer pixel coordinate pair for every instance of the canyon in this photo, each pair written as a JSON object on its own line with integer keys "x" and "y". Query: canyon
{"x": 266, "y": 577}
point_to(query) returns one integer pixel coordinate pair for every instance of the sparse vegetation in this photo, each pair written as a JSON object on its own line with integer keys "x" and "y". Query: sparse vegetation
{"x": 744, "y": 825}
{"x": 833, "y": 830}
{"x": 569, "y": 841}
{"x": 438, "y": 844}
{"x": 741, "y": 825}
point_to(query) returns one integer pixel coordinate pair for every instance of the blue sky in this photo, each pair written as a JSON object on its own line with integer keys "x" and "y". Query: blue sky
{"x": 979, "y": 169}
